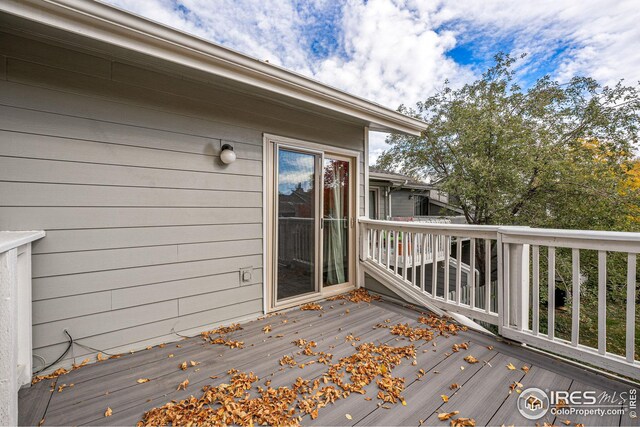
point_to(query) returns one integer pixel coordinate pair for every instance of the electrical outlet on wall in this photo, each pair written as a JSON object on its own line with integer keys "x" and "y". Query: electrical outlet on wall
{"x": 246, "y": 274}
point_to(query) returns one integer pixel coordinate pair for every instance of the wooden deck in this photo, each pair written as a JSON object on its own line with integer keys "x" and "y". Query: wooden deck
{"x": 483, "y": 393}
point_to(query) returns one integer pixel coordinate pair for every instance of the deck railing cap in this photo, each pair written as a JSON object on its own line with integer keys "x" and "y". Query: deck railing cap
{"x": 12, "y": 239}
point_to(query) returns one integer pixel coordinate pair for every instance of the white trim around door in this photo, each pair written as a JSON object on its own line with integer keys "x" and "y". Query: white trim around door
{"x": 323, "y": 153}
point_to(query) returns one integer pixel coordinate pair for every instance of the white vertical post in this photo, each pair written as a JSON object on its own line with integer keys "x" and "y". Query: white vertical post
{"x": 24, "y": 315}
{"x": 423, "y": 260}
{"x": 458, "y": 269}
{"x": 414, "y": 258}
{"x": 487, "y": 275}
{"x": 472, "y": 271}
{"x": 500, "y": 289}
{"x": 447, "y": 249}
{"x": 406, "y": 240}
{"x": 631, "y": 307}
{"x": 602, "y": 302}
{"x": 8, "y": 338}
{"x": 396, "y": 247}
{"x": 518, "y": 286}
{"x": 551, "y": 294}
{"x": 536, "y": 289}
{"x": 575, "y": 297}
{"x": 434, "y": 265}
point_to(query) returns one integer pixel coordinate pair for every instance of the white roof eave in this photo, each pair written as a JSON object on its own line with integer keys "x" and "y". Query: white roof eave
{"x": 117, "y": 27}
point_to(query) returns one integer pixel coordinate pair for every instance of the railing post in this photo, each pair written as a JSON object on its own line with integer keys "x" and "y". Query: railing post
{"x": 15, "y": 319}
{"x": 8, "y": 336}
{"x": 519, "y": 286}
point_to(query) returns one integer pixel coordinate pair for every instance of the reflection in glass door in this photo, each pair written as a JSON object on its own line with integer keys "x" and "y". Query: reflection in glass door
{"x": 297, "y": 223}
{"x": 335, "y": 219}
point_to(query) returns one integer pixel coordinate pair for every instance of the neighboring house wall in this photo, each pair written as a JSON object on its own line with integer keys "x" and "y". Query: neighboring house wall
{"x": 382, "y": 205}
{"x": 146, "y": 229}
{"x": 401, "y": 204}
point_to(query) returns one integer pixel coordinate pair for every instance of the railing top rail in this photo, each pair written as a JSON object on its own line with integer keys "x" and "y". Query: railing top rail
{"x": 462, "y": 230}
{"x": 571, "y": 234}
{"x": 12, "y": 239}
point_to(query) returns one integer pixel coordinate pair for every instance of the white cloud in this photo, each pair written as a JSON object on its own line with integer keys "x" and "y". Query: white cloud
{"x": 395, "y": 51}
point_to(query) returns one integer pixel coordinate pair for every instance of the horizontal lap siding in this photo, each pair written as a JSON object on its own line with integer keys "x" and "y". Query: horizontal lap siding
{"x": 146, "y": 228}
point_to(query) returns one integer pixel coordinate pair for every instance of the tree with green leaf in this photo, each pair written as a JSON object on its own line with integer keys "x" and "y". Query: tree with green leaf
{"x": 553, "y": 155}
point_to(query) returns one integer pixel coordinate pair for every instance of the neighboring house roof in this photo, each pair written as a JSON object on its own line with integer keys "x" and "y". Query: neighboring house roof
{"x": 116, "y": 27}
{"x": 398, "y": 179}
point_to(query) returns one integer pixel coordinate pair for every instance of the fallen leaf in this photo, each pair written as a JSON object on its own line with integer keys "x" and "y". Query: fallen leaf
{"x": 171, "y": 355}
{"x": 462, "y": 422}
{"x": 454, "y": 386}
{"x": 183, "y": 385}
{"x": 100, "y": 357}
{"x": 143, "y": 380}
{"x": 266, "y": 329}
{"x": 511, "y": 367}
{"x": 446, "y": 415}
{"x": 471, "y": 359}
{"x": 183, "y": 366}
{"x": 194, "y": 363}
{"x": 566, "y": 422}
{"x": 349, "y": 417}
{"x": 525, "y": 369}
{"x": 404, "y": 402}
{"x": 108, "y": 412}
{"x": 445, "y": 398}
{"x": 310, "y": 306}
{"x": 489, "y": 347}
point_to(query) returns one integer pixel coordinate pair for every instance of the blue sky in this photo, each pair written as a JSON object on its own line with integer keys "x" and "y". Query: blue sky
{"x": 401, "y": 51}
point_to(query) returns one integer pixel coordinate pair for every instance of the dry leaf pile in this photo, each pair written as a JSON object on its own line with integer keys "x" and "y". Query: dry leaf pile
{"x": 471, "y": 359}
{"x": 311, "y": 306}
{"x": 441, "y": 324}
{"x": 356, "y": 296}
{"x": 243, "y": 402}
{"x": 414, "y": 334}
{"x": 221, "y": 339}
{"x": 62, "y": 371}
{"x": 457, "y": 347}
{"x": 233, "y": 403}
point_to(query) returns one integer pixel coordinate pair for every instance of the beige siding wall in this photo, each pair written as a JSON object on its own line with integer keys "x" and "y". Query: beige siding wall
{"x": 146, "y": 229}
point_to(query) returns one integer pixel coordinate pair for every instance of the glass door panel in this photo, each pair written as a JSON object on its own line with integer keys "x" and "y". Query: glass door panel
{"x": 335, "y": 220}
{"x": 297, "y": 223}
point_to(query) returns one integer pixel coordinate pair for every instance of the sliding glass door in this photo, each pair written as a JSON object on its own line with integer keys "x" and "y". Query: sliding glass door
{"x": 312, "y": 223}
{"x": 297, "y": 223}
{"x": 335, "y": 217}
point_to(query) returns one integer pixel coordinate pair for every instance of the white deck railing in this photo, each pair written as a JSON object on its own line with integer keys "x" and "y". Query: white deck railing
{"x": 514, "y": 285}
{"x": 15, "y": 319}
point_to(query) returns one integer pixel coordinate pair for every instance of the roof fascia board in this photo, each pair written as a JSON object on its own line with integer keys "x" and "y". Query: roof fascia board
{"x": 114, "y": 26}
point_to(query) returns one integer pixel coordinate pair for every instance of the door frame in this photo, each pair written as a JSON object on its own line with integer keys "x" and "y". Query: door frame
{"x": 269, "y": 210}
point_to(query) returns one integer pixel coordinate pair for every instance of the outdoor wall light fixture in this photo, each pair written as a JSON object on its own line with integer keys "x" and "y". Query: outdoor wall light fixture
{"x": 227, "y": 155}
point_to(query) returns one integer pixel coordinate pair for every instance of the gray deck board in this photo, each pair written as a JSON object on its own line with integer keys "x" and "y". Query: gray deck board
{"x": 214, "y": 360}
{"x": 33, "y": 402}
{"x": 483, "y": 393}
{"x": 538, "y": 378}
